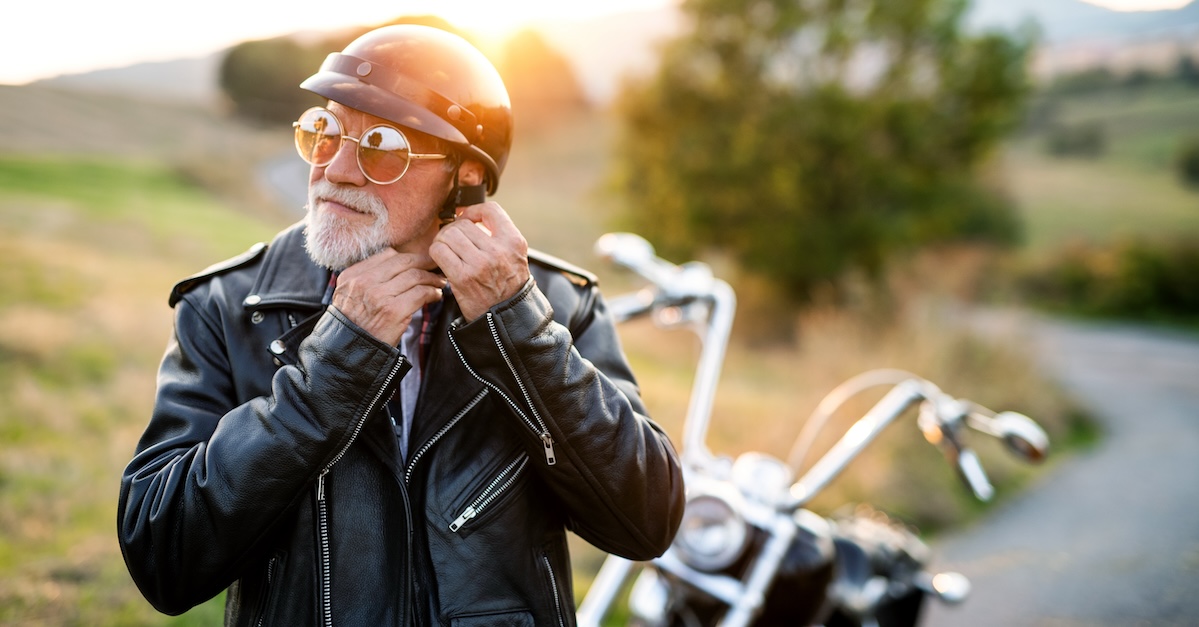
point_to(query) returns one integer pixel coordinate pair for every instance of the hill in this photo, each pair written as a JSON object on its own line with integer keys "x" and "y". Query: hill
{"x": 1066, "y": 21}
{"x": 184, "y": 80}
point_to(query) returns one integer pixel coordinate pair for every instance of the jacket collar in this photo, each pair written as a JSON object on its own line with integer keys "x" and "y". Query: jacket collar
{"x": 289, "y": 278}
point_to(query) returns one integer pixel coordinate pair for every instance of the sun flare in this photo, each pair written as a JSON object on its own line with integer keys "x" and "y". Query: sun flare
{"x": 498, "y": 19}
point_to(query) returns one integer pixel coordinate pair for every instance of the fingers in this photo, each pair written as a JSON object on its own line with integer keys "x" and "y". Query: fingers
{"x": 484, "y": 256}
{"x": 388, "y": 263}
{"x": 485, "y": 227}
{"x": 457, "y": 245}
{"x": 491, "y": 216}
{"x": 381, "y": 293}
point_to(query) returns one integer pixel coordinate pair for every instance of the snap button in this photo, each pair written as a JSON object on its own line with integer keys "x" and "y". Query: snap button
{"x": 257, "y": 317}
{"x": 278, "y": 347}
{"x": 251, "y": 300}
{"x": 364, "y": 68}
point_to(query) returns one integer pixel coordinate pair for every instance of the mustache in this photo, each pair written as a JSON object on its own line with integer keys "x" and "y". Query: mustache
{"x": 352, "y": 197}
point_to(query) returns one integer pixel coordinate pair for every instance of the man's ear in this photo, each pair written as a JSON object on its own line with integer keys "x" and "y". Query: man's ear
{"x": 471, "y": 172}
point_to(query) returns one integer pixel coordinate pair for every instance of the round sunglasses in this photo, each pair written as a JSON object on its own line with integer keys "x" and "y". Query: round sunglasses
{"x": 383, "y": 151}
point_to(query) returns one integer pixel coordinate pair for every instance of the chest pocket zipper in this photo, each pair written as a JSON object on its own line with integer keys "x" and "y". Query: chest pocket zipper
{"x": 266, "y": 592}
{"x": 502, "y": 482}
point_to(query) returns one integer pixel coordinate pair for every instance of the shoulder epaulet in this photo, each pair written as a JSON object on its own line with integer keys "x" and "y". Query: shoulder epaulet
{"x": 233, "y": 263}
{"x": 575, "y": 274}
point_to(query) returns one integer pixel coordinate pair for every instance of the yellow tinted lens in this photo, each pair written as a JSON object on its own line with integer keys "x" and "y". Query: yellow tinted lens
{"x": 383, "y": 154}
{"x": 318, "y": 136}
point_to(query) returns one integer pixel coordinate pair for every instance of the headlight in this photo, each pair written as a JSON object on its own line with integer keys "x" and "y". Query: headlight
{"x": 712, "y": 535}
{"x": 649, "y": 600}
{"x": 762, "y": 478}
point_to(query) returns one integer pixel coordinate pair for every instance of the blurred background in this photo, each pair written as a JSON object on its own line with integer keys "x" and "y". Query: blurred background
{"x": 878, "y": 179}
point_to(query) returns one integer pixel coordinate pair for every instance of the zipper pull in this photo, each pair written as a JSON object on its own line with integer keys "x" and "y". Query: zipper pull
{"x": 320, "y": 485}
{"x": 550, "y": 459}
{"x": 470, "y": 512}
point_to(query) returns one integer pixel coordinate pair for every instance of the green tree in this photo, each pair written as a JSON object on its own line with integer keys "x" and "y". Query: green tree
{"x": 809, "y": 139}
{"x": 261, "y": 79}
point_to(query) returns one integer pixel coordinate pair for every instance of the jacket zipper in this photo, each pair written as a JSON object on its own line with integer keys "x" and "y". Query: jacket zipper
{"x": 326, "y": 585}
{"x": 538, "y": 426}
{"x": 322, "y": 509}
{"x": 498, "y": 486}
{"x": 441, "y": 433}
{"x": 554, "y": 588}
{"x": 270, "y": 575}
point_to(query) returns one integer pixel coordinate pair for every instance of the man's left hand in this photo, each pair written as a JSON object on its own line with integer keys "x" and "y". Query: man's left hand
{"x": 484, "y": 256}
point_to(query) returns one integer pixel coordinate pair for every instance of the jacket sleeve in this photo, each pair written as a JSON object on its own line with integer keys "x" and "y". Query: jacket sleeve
{"x": 572, "y": 391}
{"x": 211, "y": 476}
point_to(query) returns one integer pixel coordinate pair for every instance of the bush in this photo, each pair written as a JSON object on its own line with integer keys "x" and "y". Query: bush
{"x": 1084, "y": 139}
{"x": 1084, "y": 82}
{"x": 1134, "y": 279}
{"x": 1186, "y": 162}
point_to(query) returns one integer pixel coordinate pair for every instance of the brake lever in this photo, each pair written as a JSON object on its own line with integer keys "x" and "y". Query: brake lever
{"x": 971, "y": 471}
{"x": 941, "y": 420}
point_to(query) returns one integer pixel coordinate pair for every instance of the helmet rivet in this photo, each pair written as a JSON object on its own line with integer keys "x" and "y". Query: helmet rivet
{"x": 364, "y": 68}
{"x": 454, "y": 112}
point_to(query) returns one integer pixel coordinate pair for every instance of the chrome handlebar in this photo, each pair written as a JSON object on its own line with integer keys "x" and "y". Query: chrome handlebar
{"x": 689, "y": 295}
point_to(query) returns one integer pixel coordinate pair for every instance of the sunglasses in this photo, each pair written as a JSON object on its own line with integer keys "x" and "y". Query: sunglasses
{"x": 383, "y": 151}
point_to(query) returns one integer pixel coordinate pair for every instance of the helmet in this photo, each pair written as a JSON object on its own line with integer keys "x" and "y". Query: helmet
{"x": 425, "y": 79}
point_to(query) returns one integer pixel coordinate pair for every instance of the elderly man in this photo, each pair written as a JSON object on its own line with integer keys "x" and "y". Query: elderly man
{"x": 393, "y": 413}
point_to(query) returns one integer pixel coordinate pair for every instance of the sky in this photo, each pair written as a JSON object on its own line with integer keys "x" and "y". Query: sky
{"x": 44, "y": 38}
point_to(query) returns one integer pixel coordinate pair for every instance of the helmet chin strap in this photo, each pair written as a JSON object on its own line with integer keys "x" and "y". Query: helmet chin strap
{"x": 461, "y": 196}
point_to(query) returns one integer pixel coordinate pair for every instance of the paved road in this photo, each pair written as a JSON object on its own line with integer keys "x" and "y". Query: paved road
{"x": 1109, "y": 536}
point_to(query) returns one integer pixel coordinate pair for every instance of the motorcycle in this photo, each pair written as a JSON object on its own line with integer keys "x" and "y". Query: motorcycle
{"x": 747, "y": 551}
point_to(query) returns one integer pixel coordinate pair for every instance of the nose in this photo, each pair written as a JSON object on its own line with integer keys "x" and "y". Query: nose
{"x": 344, "y": 166}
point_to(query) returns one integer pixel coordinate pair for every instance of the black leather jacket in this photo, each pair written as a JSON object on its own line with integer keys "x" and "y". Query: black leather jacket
{"x": 270, "y": 466}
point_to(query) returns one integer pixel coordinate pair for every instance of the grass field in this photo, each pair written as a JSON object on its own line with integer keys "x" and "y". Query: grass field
{"x": 91, "y": 249}
{"x": 1130, "y": 190}
{"x": 102, "y": 209}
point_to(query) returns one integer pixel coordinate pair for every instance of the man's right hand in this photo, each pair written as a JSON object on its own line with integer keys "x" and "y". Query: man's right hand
{"x": 383, "y": 291}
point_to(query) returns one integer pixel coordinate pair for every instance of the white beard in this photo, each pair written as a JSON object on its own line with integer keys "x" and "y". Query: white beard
{"x": 335, "y": 243}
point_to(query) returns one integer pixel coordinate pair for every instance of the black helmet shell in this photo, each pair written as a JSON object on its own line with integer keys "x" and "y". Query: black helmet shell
{"x": 426, "y": 79}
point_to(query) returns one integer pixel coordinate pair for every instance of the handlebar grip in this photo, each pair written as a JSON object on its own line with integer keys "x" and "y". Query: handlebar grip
{"x": 628, "y": 306}
{"x": 973, "y": 474}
